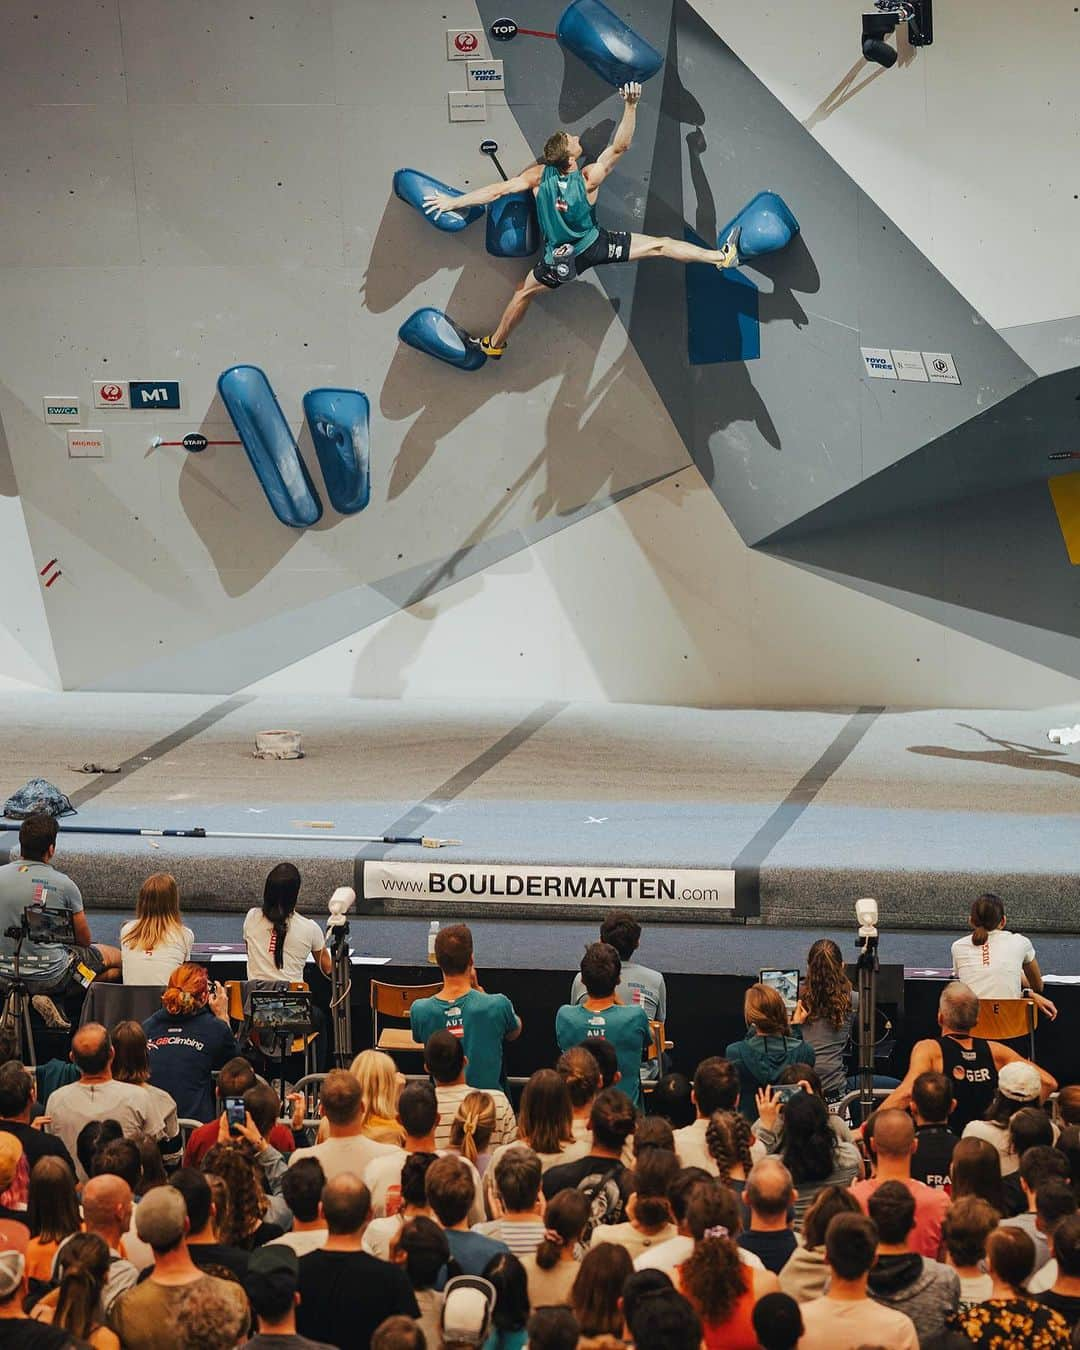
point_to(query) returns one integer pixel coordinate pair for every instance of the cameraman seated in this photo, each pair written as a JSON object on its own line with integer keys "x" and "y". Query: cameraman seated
{"x": 47, "y": 967}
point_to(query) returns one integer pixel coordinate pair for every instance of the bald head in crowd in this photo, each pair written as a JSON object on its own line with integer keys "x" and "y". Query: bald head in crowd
{"x": 346, "y": 1203}
{"x": 91, "y": 1049}
{"x": 894, "y": 1134}
{"x": 769, "y": 1190}
{"x": 106, "y": 1203}
{"x": 958, "y": 1007}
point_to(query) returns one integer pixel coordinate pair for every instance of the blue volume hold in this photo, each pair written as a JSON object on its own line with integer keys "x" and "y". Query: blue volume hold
{"x": 608, "y": 46}
{"x": 513, "y": 230}
{"x": 265, "y": 435}
{"x": 412, "y": 187}
{"x": 338, "y": 422}
{"x": 766, "y": 225}
{"x": 431, "y": 332}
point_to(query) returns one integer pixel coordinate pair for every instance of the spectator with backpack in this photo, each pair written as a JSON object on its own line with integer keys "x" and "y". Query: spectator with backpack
{"x": 601, "y": 1175}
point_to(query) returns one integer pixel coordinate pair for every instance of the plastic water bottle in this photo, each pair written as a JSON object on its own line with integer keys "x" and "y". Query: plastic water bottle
{"x": 432, "y": 934}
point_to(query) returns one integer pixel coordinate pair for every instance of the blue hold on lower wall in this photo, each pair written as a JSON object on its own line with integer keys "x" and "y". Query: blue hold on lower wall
{"x": 338, "y": 420}
{"x": 270, "y": 445}
{"x": 721, "y": 313}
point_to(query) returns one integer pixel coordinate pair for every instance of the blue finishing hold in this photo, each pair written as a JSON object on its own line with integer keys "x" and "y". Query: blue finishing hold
{"x": 338, "y": 422}
{"x": 431, "y": 332}
{"x": 767, "y": 225}
{"x": 412, "y": 187}
{"x": 513, "y": 230}
{"x": 608, "y": 46}
{"x": 265, "y": 435}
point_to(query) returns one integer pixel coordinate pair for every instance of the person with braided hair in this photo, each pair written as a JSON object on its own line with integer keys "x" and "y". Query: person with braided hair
{"x": 722, "y": 1289}
{"x": 75, "y": 1306}
{"x": 728, "y": 1139}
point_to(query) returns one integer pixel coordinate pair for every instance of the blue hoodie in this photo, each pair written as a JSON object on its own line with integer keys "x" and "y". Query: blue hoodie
{"x": 761, "y": 1060}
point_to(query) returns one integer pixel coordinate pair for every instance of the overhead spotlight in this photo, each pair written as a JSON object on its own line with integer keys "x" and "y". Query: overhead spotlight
{"x": 876, "y": 27}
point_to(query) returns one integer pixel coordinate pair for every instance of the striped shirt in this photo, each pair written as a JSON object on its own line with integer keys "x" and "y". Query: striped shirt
{"x": 522, "y": 1236}
{"x": 450, "y": 1097}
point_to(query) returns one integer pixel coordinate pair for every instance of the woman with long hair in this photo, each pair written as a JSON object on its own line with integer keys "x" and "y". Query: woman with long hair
{"x": 280, "y": 941}
{"x": 975, "y": 1169}
{"x": 75, "y": 1306}
{"x": 182, "y": 1065}
{"x": 995, "y": 963}
{"x": 156, "y": 941}
{"x": 721, "y": 1288}
{"x": 770, "y": 1044}
{"x": 649, "y": 1220}
{"x": 52, "y": 1214}
{"x": 597, "y": 1292}
{"x": 545, "y": 1124}
{"x": 511, "y": 1315}
{"x": 809, "y": 1148}
{"x": 244, "y": 1224}
{"x": 551, "y": 1272}
{"x": 131, "y": 1064}
{"x": 805, "y": 1274}
{"x": 472, "y": 1128}
{"x": 825, "y": 1012}
{"x": 1010, "y": 1317}
{"x": 380, "y": 1088}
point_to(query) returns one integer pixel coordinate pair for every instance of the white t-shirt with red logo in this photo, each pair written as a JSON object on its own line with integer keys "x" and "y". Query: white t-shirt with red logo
{"x": 992, "y": 970}
{"x": 303, "y": 937}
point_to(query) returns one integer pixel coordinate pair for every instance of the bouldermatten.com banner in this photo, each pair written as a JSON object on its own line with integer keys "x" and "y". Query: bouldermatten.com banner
{"x": 496, "y": 883}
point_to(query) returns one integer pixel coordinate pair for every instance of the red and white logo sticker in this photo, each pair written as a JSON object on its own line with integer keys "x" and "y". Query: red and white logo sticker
{"x": 463, "y": 43}
{"x": 466, "y": 42}
{"x": 111, "y": 394}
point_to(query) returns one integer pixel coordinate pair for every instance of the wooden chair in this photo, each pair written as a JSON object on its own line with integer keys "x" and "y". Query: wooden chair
{"x": 395, "y": 1000}
{"x": 655, "y": 1052}
{"x": 1007, "y": 1019}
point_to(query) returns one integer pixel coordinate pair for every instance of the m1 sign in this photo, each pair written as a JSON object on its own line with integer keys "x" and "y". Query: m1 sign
{"x": 155, "y": 394}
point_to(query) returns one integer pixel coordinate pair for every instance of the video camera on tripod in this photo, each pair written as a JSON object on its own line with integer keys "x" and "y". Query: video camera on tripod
{"x": 39, "y": 925}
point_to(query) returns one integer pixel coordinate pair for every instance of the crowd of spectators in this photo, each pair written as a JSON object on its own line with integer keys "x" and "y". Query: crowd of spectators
{"x": 153, "y": 1196}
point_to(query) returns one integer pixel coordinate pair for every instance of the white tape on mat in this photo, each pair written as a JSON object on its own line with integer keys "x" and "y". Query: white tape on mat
{"x": 485, "y": 883}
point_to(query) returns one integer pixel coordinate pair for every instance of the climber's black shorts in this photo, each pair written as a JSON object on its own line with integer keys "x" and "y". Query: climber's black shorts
{"x": 609, "y": 246}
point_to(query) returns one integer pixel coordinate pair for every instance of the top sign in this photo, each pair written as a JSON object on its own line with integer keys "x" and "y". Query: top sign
{"x": 465, "y": 44}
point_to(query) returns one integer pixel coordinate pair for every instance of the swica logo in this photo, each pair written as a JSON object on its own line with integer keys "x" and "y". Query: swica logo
{"x": 62, "y": 409}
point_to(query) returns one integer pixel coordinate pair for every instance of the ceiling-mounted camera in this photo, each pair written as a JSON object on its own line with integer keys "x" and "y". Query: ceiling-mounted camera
{"x": 887, "y": 16}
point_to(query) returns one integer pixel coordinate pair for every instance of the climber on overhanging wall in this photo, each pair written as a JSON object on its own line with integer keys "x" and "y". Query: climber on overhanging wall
{"x": 573, "y": 242}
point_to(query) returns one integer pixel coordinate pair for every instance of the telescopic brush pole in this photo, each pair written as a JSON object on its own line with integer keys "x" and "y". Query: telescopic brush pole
{"x": 197, "y": 832}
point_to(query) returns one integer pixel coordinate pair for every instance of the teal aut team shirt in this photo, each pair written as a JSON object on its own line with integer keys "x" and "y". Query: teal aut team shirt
{"x": 481, "y": 1021}
{"x": 562, "y": 207}
{"x": 626, "y": 1028}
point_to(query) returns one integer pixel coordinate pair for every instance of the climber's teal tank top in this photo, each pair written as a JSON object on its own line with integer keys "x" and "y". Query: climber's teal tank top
{"x": 562, "y": 206}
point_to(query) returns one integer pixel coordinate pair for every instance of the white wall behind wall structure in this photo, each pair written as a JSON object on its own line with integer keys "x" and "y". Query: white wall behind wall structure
{"x": 186, "y": 187}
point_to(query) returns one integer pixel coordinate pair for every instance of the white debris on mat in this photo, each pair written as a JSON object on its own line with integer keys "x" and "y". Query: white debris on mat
{"x": 278, "y": 745}
{"x": 1064, "y": 735}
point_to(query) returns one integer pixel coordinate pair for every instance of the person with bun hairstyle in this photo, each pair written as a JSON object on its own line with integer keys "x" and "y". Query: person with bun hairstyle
{"x": 188, "y": 1038}
{"x": 649, "y": 1220}
{"x": 769, "y": 1045}
{"x": 995, "y": 963}
{"x": 280, "y": 941}
{"x": 1010, "y": 1317}
{"x": 156, "y": 941}
{"x": 75, "y": 1306}
{"x": 581, "y": 1073}
{"x": 552, "y": 1269}
{"x": 721, "y": 1287}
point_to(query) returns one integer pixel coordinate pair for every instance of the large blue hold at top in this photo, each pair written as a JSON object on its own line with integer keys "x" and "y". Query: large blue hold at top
{"x": 766, "y": 224}
{"x": 513, "y": 230}
{"x": 608, "y": 46}
{"x": 265, "y": 435}
{"x": 431, "y": 332}
{"x": 338, "y": 422}
{"x": 412, "y": 187}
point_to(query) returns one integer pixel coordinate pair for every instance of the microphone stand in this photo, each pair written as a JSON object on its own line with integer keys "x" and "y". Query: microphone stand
{"x": 867, "y": 970}
{"x": 340, "y": 989}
